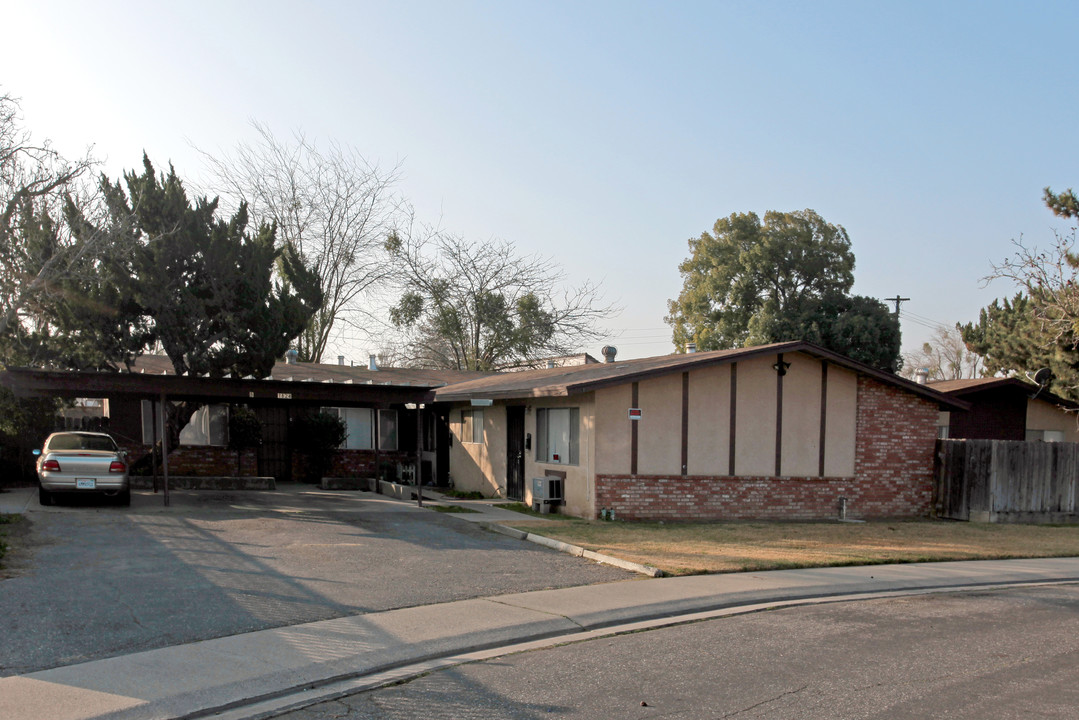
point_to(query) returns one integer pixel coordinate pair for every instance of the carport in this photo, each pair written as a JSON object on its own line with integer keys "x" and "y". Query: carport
{"x": 291, "y": 388}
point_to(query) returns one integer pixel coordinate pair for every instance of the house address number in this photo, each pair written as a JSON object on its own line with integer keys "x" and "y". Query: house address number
{"x": 284, "y": 396}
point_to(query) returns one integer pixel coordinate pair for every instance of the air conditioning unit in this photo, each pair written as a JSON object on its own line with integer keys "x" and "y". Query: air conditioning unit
{"x": 546, "y": 491}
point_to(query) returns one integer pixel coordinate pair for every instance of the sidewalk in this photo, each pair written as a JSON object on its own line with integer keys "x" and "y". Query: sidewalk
{"x": 269, "y": 665}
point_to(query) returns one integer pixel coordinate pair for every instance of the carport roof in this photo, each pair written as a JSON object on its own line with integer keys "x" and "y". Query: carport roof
{"x": 153, "y": 375}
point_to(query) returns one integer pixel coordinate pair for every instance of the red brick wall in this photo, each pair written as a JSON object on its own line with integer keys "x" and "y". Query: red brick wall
{"x": 201, "y": 460}
{"x": 896, "y": 436}
{"x": 351, "y": 463}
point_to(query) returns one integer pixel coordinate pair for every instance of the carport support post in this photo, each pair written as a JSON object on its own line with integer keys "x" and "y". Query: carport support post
{"x": 164, "y": 447}
{"x": 419, "y": 454}
{"x": 153, "y": 436}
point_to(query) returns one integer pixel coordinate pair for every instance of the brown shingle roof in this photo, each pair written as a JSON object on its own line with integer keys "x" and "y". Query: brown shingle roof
{"x": 961, "y": 388}
{"x": 562, "y": 381}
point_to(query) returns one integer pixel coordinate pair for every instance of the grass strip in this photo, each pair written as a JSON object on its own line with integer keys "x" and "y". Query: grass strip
{"x": 694, "y": 548}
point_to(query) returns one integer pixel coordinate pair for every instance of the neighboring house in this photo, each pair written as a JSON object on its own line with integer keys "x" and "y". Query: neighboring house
{"x": 1007, "y": 409}
{"x": 379, "y": 406}
{"x": 789, "y": 430}
{"x": 551, "y": 362}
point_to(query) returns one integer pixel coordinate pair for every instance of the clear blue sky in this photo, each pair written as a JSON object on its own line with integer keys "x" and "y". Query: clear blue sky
{"x": 606, "y": 134}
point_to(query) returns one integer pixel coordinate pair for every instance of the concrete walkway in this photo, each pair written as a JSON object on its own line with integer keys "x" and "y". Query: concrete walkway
{"x": 265, "y": 672}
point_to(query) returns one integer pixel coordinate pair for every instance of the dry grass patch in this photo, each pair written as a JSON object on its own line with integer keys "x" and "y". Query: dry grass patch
{"x": 690, "y": 548}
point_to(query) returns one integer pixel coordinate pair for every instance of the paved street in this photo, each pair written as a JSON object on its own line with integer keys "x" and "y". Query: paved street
{"x": 998, "y": 654}
{"x": 104, "y": 581}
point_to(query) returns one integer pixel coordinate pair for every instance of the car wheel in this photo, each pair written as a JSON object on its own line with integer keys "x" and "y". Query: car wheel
{"x": 123, "y": 498}
{"x": 44, "y": 496}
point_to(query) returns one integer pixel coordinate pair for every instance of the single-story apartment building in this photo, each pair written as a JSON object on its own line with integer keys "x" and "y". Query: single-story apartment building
{"x": 788, "y": 430}
{"x": 1007, "y": 408}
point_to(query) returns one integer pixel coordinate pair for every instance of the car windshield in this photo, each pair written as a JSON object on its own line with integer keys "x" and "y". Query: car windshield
{"x": 77, "y": 441}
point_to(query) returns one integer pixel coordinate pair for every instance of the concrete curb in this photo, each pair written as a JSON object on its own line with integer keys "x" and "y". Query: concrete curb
{"x": 574, "y": 550}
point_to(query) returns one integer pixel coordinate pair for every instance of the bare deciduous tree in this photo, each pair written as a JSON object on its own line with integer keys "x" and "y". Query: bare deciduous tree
{"x": 945, "y": 356}
{"x": 473, "y": 305}
{"x": 331, "y": 204}
{"x": 36, "y": 249}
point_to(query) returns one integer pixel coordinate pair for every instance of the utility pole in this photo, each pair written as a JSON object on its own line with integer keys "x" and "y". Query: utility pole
{"x": 897, "y": 300}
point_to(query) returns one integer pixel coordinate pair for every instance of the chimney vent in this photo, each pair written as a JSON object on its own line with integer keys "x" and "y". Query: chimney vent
{"x": 340, "y": 359}
{"x": 609, "y": 351}
{"x": 550, "y": 364}
{"x": 372, "y": 362}
{"x": 691, "y": 347}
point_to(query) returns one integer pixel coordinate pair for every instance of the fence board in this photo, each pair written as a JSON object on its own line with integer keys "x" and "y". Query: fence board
{"x": 999, "y": 480}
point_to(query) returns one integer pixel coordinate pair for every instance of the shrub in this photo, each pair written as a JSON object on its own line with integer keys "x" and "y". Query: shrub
{"x": 317, "y": 437}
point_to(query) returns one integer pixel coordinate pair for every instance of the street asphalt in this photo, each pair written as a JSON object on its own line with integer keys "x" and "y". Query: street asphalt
{"x": 267, "y": 671}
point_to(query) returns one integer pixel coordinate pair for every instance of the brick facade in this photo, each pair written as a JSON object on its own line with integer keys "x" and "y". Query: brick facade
{"x": 354, "y": 463}
{"x": 896, "y": 436}
{"x": 200, "y": 460}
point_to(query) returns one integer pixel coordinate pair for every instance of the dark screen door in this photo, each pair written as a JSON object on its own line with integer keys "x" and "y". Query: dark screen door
{"x": 515, "y": 453}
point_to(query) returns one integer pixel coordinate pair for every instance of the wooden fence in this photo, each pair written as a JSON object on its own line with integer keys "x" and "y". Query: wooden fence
{"x": 1006, "y": 481}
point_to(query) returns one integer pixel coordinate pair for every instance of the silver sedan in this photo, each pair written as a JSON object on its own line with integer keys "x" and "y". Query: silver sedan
{"x": 82, "y": 462}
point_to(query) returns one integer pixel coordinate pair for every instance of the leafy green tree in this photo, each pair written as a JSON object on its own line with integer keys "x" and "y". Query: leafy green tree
{"x": 471, "y": 305}
{"x": 787, "y": 278}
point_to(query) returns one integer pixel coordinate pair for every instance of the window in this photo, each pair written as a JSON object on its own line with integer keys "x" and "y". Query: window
{"x": 387, "y": 429}
{"x": 558, "y": 435}
{"x": 360, "y": 428}
{"x": 209, "y": 425}
{"x": 472, "y": 426}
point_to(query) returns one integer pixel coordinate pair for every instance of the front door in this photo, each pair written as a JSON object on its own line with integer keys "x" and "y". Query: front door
{"x": 274, "y": 455}
{"x": 515, "y": 452}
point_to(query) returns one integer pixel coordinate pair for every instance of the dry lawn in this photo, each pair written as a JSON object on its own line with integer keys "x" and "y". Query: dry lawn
{"x": 681, "y": 549}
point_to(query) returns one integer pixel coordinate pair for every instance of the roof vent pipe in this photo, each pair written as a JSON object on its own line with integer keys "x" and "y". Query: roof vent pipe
{"x": 291, "y": 355}
{"x": 609, "y": 351}
{"x": 372, "y": 362}
{"x": 691, "y": 347}
{"x": 921, "y": 376}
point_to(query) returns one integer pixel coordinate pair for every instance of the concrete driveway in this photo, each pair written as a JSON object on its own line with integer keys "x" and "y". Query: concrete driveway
{"x": 102, "y": 581}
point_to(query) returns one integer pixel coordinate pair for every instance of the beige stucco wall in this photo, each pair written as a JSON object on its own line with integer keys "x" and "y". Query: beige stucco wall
{"x": 613, "y": 429}
{"x": 480, "y": 467}
{"x": 659, "y": 431}
{"x": 578, "y": 487}
{"x": 800, "y": 453}
{"x": 606, "y": 430}
{"x": 841, "y": 425}
{"x": 1042, "y": 415}
{"x": 483, "y": 467}
{"x": 755, "y": 424}
{"x": 709, "y": 437}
